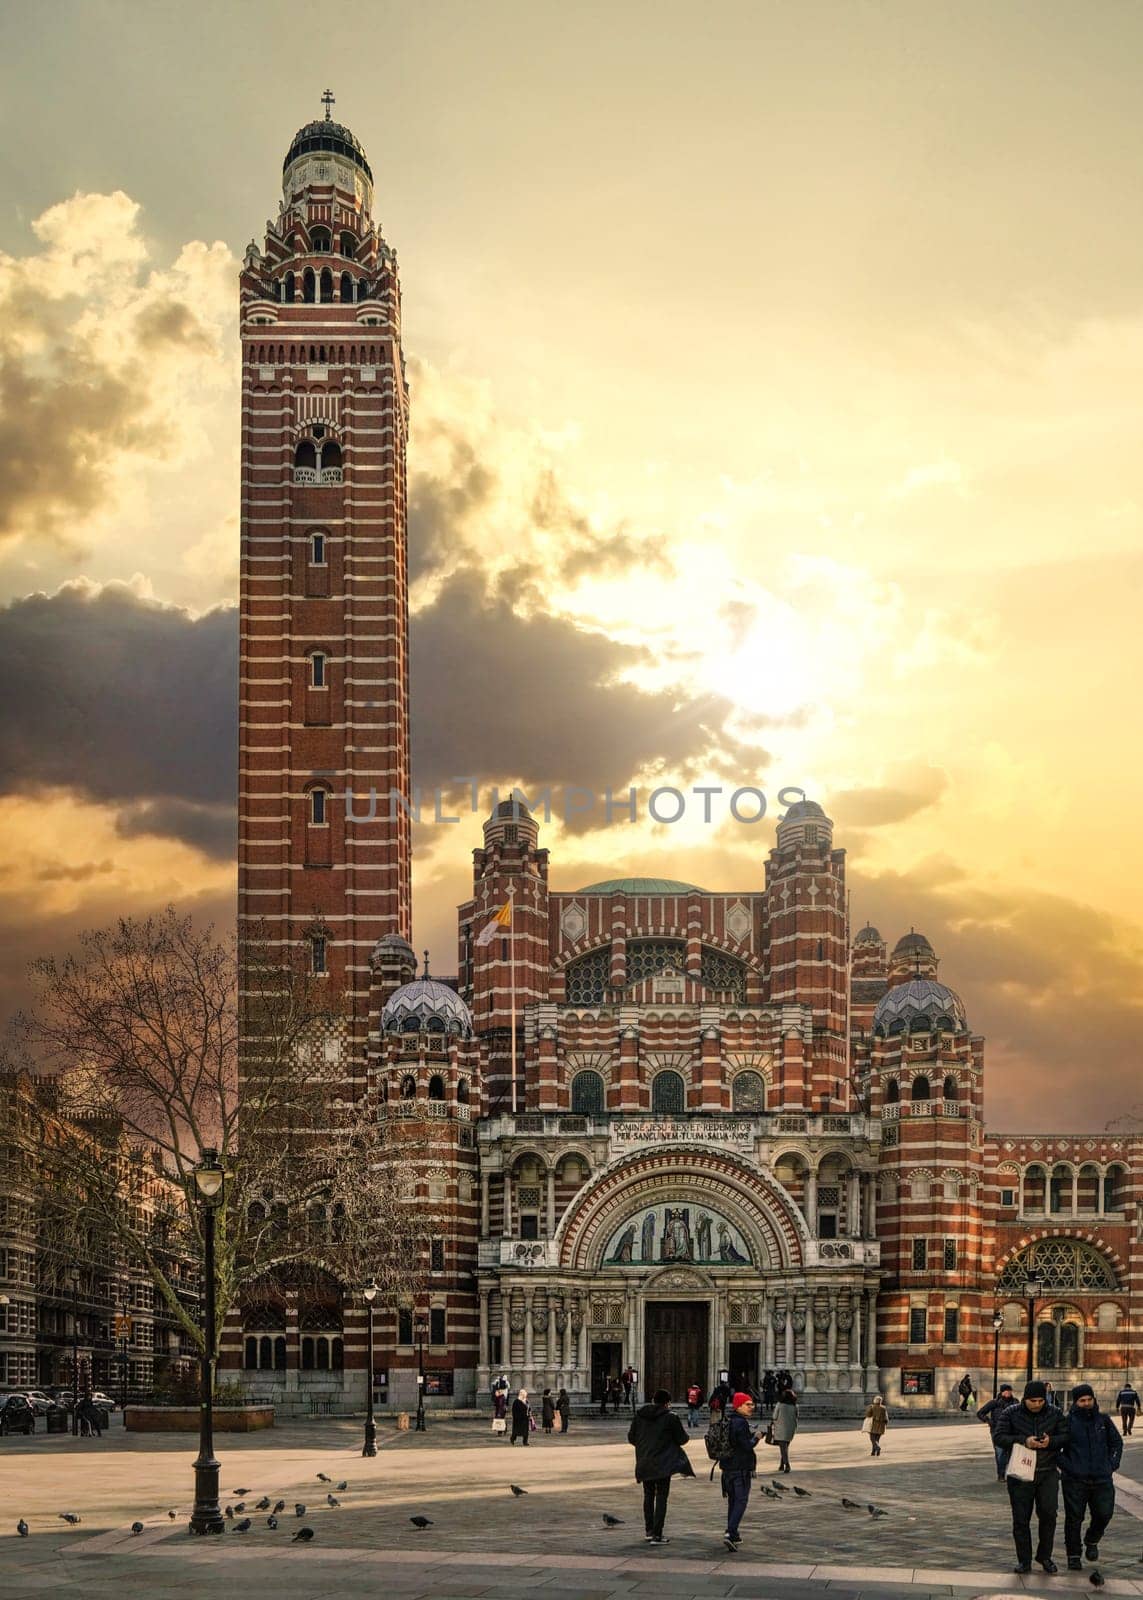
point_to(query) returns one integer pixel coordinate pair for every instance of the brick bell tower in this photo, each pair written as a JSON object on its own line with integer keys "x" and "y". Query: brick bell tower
{"x": 323, "y": 854}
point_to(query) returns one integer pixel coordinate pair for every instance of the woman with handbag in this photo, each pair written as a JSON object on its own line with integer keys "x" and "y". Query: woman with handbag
{"x": 521, "y": 1418}
{"x": 547, "y": 1410}
{"x": 876, "y": 1421}
{"x": 784, "y": 1426}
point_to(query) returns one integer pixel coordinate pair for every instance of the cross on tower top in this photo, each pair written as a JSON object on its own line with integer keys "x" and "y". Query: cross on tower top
{"x": 327, "y": 100}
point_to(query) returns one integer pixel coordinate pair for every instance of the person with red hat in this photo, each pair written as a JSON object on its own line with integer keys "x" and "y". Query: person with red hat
{"x": 738, "y": 1465}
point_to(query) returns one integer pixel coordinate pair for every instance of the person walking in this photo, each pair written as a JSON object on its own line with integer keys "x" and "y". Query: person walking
{"x": 90, "y": 1418}
{"x": 878, "y": 1418}
{"x": 658, "y": 1437}
{"x": 521, "y": 1418}
{"x": 1127, "y": 1403}
{"x": 720, "y": 1397}
{"x": 1042, "y": 1429}
{"x": 547, "y": 1410}
{"x": 1092, "y": 1451}
{"x": 966, "y": 1391}
{"x": 563, "y": 1406}
{"x": 694, "y": 1400}
{"x": 500, "y": 1397}
{"x": 603, "y": 1385}
{"x": 738, "y": 1465}
{"x": 785, "y": 1425}
{"x": 615, "y": 1394}
{"x": 989, "y": 1412}
{"x": 769, "y": 1389}
{"x": 628, "y": 1383}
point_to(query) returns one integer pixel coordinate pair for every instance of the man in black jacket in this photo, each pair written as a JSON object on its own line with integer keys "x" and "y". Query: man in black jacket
{"x": 658, "y": 1436}
{"x": 989, "y": 1412}
{"x": 1092, "y": 1452}
{"x": 1042, "y": 1429}
{"x": 1127, "y": 1401}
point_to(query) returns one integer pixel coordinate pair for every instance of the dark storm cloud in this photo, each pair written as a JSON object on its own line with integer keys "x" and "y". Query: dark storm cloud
{"x": 532, "y": 698}
{"x": 125, "y": 701}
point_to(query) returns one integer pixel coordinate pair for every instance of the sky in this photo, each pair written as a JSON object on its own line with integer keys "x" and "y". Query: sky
{"x": 775, "y": 421}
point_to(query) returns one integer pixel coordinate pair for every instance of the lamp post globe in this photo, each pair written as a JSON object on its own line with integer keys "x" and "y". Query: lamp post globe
{"x": 369, "y": 1294}
{"x": 209, "y": 1177}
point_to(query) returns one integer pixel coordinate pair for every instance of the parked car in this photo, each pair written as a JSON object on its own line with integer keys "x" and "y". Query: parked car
{"x": 39, "y": 1402}
{"x": 16, "y": 1414}
{"x": 100, "y": 1399}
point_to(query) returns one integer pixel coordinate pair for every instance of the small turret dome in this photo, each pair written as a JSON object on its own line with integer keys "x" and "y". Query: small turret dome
{"x": 868, "y": 935}
{"x": 426, "y": 1004}
{"x": 803, "y": 809}
{"x": 330, "y": 138}
{"x": 922, "y": 1003}
{"x": 391, "y": 947}
{"x": 911, "y": 942}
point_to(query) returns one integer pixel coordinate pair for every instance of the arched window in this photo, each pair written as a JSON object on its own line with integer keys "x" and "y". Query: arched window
{"x": 317, "y": 670}
{"x": 280, "y": 1354}
{"x": 462, "y": 1091}
{"x": 748, "y": 1092}
{"x": 950, "y": 1087}
{"x": 408, "y": 1087}
{"x": 587, "y": 1094}
{"x": 326, "y": 285}
{"x": 346, "y": 286}
{"x": 921, "y": 1089}
{"x": 337, "y": 1354}
{"x": 317, "y": 808}
{"x": 250, "y": 1352}
{"x": 308, "y": 284}
{"x": 307, "y": 1354}
{"x": 331, "y": 454}
{"x": 668, "y": 1093}
{"x": 436, "y": 1087}
{"x": 586, "y": 978}
{"x": 320, "y": 241}
{"x": 265, "y": 1351}
{"x": 317, "y": 953}
{"x": 305, "y": 455}
{"x": 322, "y": 1353}
{"x": 348, "y": 245}
{"x": 290, "y": 287}
{"x": 892, "y": 1092}
{"x": 1062, "y": 1265}
{"x": 317, "y": 549}
{"x": 1060, "y": 1189}
{"x": 1114, "y": 1188}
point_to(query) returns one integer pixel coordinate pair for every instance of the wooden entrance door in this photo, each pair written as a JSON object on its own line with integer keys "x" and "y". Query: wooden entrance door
{"x": 676, "y": 1349}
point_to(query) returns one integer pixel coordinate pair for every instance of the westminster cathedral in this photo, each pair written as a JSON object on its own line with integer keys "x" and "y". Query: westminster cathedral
{"x": 682, "y": 1130}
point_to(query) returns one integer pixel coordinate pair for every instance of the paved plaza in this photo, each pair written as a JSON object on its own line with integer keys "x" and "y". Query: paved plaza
{"x": 946, "y": 1532}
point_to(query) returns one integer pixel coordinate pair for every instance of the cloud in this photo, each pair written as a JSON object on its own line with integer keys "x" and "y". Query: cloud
{"x": 105, "y": 366}
{"x": 914, "y": 788}
{"x": 125, "y": 700}
{"x": 943, "y": 474}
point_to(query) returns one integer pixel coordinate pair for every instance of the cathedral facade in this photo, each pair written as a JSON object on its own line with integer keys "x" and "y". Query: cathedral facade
{"x": 682, "y": 1130}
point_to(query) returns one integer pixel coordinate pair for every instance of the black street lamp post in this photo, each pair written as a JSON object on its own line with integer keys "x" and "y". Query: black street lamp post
{"x": 370, "y": 1447}
{"x": 207, "y": 1514}
{"x": 1033, "y": 1287}
{"x": 997, "y": 1324}
{"x": 420, "y": 1330}
{"x": 123, "y": 1368}
{"x": 75, "y": 1353}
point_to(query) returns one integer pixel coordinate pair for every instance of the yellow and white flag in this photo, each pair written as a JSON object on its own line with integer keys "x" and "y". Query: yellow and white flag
{"x": 502, "y": 919}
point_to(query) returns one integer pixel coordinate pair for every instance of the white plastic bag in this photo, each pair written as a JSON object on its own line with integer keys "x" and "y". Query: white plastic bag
{"x": 1022, "y": 1463}
{"x": 867, "y": 1425}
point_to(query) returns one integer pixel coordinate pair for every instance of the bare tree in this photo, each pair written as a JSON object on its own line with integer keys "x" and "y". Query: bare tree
{"x": 161, "y": 1058}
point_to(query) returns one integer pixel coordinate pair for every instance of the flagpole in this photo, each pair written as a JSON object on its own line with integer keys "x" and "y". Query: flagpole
{"x": 512, "y": 983}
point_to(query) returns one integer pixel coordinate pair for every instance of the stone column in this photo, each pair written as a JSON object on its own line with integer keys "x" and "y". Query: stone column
{"x": 506, "y": 1226}
{"x": 551, "y": 1201}
{"x": 853, "y": 1201}
{"x": 505, "y": 1329}
{"x": 568, "y": 1358}
{"x": 831, "y": 1333}
{"x": 482, "y": 1356}
{"x": 811, "y": 1208}
{"x": 579, "y": 1315}
{"x": 1075, "y": 1191}
{"x": 788, "y": 1352}
{"x": 871, "y": 1330}
{"x": 485, "y": 1203}
{"x": 528, "y": 1333}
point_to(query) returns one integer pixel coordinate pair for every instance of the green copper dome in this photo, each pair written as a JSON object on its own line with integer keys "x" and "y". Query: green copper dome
{"x": 641, "y": 886}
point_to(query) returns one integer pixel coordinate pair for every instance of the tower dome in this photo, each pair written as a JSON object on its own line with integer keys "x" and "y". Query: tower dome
{"x": 868, "y": 935}
{"x": 913, "y": 943}
{"x": 326, "y": 137}
{"x": 805, "y": 823}
{"x": 920, "y": 1004}
{"x": 426, "y": 1004}
{"x": 392, "y": 947}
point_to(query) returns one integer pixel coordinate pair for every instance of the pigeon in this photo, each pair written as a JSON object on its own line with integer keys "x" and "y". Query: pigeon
{"x": 299, "y": 1509}
{"x": 271, "y": 1521}
{"x": 516, "y": 1490}
{"x": 1096, "y": 1578}
{"x": 22, "y": 1528}
{"x": 263, "y": 1504}
{"x": 850, "y": 1505}
{"x": 876, "y": 1511}
{"x": 323, "y": 1479}
{"x": 304, "y": 1535}
{"x": 279, "y": 1505}
{"x": 230, "y": 1511}
{"x": 240, "y": 1491}
{"x": 421, "y": 1523}
{"x": 612, "y": 1522}
{"x": 70, "y": 1517}
{"x": 782, "y": 1488}
{"x": 771, "y": 1494}
{"x": 803, "y": 1494}
{"x": 240, "y": 1505}
{"x": 342, "y": 1486}
{"x": 136, "y": 1527}
{"x": 244, "y": 1526}
{"x": 172, "y": 1515}
{"x": 332, "y": 1500}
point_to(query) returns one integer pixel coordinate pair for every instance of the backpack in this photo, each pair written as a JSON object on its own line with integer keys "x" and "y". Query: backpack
{"x": 717, "y": 1438}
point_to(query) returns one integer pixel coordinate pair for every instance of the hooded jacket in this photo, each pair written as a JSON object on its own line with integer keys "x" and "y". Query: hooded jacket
{"x": 991, "y": 1409}
{"x": 1016, "y": 1425}
{"x": 658, "y": 1436}
{"x": 1093, "y": 1447}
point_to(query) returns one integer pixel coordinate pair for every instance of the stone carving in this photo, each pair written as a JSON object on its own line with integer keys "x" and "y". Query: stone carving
{"x": 561, "y": 1316}
{"x": 540, "y": 1319}
{"x": 798, "y": 1317}
{"x": 845, "y": 1318}
{"x": 821, "y": 1315}
{"x": 516, "y": 1319}
{"x": 577, "y": 1315}
{"x": 777, "y": 1317}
